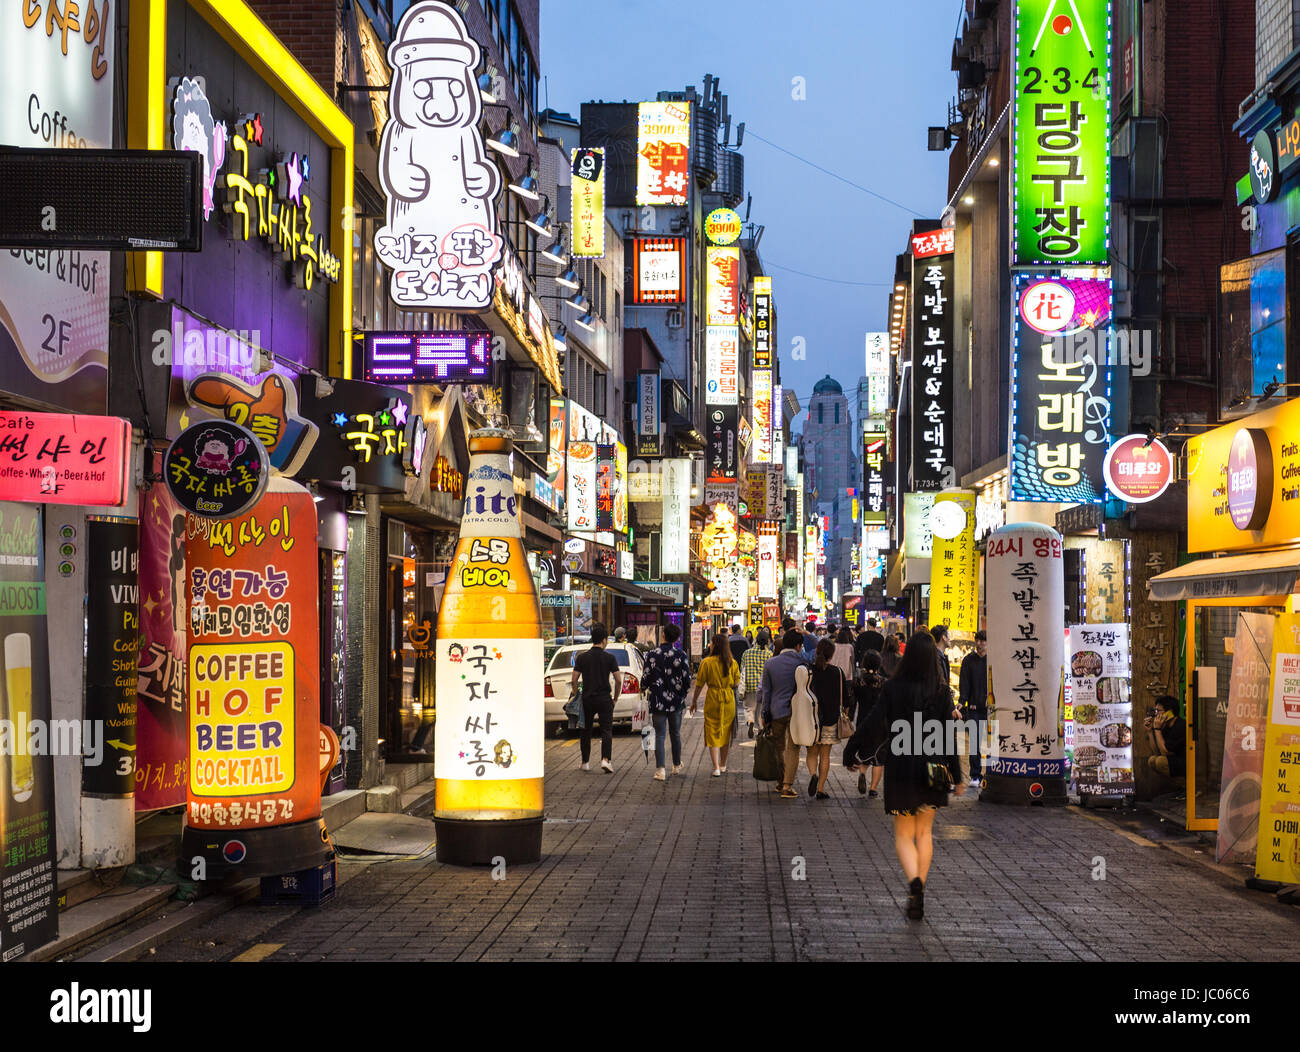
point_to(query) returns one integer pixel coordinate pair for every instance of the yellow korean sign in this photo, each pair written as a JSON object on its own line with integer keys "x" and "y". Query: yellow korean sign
{"x": 954, "y": 585}
{"x": 1243, "y": 483}
{"x": 588, "y": 202}
{"x": 1277, "y": 851}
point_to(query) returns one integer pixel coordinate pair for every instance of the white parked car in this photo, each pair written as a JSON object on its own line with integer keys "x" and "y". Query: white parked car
{"x": 559, "y": 680}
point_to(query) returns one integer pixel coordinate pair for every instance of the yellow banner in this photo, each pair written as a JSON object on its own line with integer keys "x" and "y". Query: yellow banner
{"x": 588, "y": 204}
{"x": 1277, "y": 852}
{"x": 954, "y": 585}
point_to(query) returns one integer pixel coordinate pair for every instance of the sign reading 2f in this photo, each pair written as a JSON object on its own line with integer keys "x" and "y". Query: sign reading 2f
{"x": 1061, "y": 137}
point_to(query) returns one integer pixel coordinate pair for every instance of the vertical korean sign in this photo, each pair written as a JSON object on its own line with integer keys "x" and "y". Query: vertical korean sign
{"x": 488, "y": 752}
{"x": 1277, "y": 854}
{"x": 1100, "y": 710}
{"x": 878, "y": 366}
{"x": 112, "y": 649}
{"x": 1060, "y": 389}
{"x": 954, "y": 586}
{"x": 769, "y": 538}
{"x": 675, "y": 541}
{"x": 932, "y": 380}
{"x": 761, "y": 401}
{"x": 1024, "y": 572}
{"x": 762, "y": 323}
{"x": 1061, "y": 133}
{"x": 161, "y": 771}
{"x": 648, "y": 414}
{"x": 28, "y": 917}
{"x": 584, "y": 433}
{"x": 605, "y": 485}
{"x": 663, "y": 153}
{"x": 254, "y": 682}
{"x": 873, "y": 477}
{"x": 588, "y": 202}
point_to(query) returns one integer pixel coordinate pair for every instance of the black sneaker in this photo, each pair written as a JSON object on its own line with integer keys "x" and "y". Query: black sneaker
{"x": 862, "y": 784}
{"x": 823, "y": 796}
{"x": 812, "y": 786}
{"x": 915, "y": 899}
{"x": 872, "y": 795}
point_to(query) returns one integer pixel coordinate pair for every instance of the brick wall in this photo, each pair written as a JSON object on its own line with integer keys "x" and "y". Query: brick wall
{"x": 311, "y": 30}
{"x": 1208, "y": 68}
{"x": 1275, "y": 22}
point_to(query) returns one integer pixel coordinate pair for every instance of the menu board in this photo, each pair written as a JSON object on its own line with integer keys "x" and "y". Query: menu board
{"x": 1098, "y": 683}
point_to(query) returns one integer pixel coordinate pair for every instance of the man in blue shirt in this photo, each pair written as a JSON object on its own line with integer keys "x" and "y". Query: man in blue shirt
{"x": 775, "y": 690}
{"x": 809, "y": 641}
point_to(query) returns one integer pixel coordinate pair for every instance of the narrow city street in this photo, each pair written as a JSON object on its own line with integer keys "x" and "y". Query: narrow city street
{"x": 721, "y": 869}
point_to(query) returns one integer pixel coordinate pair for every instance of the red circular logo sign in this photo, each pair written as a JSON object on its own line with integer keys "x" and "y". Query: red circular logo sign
{"x": 1138, "y": 470}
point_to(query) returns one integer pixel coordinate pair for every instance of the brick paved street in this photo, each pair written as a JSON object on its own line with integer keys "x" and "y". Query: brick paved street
{"x": 705, "y": 869}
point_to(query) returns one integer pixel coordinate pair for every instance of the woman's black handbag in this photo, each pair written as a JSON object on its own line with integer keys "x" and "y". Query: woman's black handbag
{"x": 768, "y": 764}
{"x": 939, "y": 777}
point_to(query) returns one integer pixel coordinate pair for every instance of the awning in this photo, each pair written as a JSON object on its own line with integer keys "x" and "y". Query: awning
{"x": 1253, "y": 576}
{"x": 626, "y": 589}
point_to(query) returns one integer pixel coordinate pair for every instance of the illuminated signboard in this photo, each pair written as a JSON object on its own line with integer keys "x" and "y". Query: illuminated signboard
{"x": 720, "y": 539}
{"x": 264, "y": 195}
{"x": 441, "y": 239}
{"x": 722, "y": 226}
{"x": 675, "y": 540}
{"x": 428, "y": 357}
{"x": 604, "y": 485}
{"x": 722, "y": 286}
{"x": 917, "y": 539}
{"x": 762, "y": 323}
{"x": 722, "y": 359}
{"x": 873, "y": 481}
{"x": 933, "y": 243}
{"x": 1060, "y": 389}
{"x": 216, "y": 469}
{"x": 761, "y": 401}
{"x": 932, "y": 376}
{"x": 879, "y": 365}
{"x": 663, "y": 153}
{"x": 587, "y": 214}
{"x": 658, "y": 270}
{"x": 724, "y": 453}
{"x": 1061, "y": 133}
{"x": 647, "y": 414}
{"x": 61, "y": 458}
{"x": 954, "y": 586}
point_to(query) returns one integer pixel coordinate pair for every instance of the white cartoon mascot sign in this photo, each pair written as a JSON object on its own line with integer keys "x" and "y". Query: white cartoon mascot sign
{"x": 441, "y": 240}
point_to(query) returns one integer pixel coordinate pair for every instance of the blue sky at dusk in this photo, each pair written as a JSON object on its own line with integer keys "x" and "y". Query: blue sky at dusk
{"x": 877, "y": 75}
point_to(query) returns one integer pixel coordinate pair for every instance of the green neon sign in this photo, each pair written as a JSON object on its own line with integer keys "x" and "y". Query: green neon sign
{"x": 1061, "y": 133}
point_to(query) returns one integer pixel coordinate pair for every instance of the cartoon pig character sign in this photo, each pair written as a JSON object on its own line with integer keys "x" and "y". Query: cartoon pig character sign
{"x": 441, "y": 240}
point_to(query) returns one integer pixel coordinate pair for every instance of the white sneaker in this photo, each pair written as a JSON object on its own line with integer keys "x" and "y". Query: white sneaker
{"x": 661, "y": 775}
{"x": 606, "y": 766}
{"x": 678, "y": 768}
{"x": 584, "y": 767}
{"x": 975, "y": 783}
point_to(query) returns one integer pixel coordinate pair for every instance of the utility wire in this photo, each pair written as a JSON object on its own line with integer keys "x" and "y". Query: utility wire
{"x": 834, "y": 281}
{"x": 834, "y": 175}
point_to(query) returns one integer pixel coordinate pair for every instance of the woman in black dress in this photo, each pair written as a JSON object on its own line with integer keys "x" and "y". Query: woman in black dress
{"x": 916, "y": 706}
{"x": 831, "y": 689}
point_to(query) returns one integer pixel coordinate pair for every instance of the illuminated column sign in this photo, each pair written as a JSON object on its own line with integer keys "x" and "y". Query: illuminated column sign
{"x": 762, "y": 323}
{"x": 761, "y": 400}
{"x": 588, "y": 202}
{"x": 675, "y": 540}
{"x": 769, "y": 539}
{"x": 1060, "y": 389}
{"x": 873, "y": 480}
{"x": 428, "y": 357}
{"x": 1061, "y": 136}
{"x": 878, "y": 367}
{"x": 932, "y": 445}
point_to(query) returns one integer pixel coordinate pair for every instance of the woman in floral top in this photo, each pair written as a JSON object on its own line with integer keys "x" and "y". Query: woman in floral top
{"x": 667, "y": 677}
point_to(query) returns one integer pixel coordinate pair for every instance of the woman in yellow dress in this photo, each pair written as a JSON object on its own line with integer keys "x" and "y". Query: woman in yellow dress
{"x": 720, "y": 672}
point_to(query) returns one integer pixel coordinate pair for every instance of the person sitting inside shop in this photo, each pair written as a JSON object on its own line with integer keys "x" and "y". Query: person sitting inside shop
{"x": 1168, "y": 736}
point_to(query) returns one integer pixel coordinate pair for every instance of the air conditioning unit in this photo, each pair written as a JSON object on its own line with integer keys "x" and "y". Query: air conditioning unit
{"x": 676, "y": 319}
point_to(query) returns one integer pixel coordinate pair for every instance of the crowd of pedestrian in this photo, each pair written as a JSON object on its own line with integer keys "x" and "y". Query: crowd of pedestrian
{"x": 859, "y": 689}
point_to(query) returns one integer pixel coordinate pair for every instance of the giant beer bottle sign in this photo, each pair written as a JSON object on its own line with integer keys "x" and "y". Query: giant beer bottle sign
{"x": 254, "y": 668}
{"x": 489, "y": 654}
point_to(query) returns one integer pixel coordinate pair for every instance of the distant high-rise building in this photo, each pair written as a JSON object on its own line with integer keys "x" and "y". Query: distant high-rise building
{"x": 831, "y": 469}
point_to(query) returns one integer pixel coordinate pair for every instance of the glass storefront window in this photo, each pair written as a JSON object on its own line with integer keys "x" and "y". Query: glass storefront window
{"x": 1253, "y": 308}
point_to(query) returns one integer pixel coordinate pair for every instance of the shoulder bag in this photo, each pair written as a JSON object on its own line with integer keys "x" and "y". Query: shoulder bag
{"x": 843, "y": 726}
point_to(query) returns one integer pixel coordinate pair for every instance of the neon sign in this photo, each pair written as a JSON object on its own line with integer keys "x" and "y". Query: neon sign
{"x": 427, "y": 357}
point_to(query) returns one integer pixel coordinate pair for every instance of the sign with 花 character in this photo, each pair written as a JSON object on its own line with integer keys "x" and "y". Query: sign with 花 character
{"x": 1060, "y": 389}
{"x": 663, "y": 153}
{"x": 588, "y": 202}
{"x": 427, "y": 357}
{"x": 216, "y": 469}
{"x": 1061, "y": 133}
{"x": 874, "y": 446}
{"x": 932, "y": 375}
{"x": 61, "y": 458}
